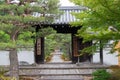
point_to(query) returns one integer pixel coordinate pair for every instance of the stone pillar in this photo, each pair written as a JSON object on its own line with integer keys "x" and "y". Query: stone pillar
{"x": 39, "y": 51}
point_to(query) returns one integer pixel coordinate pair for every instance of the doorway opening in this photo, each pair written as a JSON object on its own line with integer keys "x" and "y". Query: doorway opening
{"x": 58, "y": 48}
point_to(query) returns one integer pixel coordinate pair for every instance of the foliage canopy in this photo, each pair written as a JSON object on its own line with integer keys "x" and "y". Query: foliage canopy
{"x": 16, "y": 19}
{"x": 100, "y": 20}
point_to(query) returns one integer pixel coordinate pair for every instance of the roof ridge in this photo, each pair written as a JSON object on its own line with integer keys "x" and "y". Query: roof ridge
{"x": 72, "y": 7}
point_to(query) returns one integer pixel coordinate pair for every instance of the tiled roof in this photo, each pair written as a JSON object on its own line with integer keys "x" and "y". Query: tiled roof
{"x": 67, "y": 17}
{"x": 62, "y": 24}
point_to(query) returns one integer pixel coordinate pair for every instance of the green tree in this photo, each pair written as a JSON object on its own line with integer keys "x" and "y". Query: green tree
{"x": 99, "y": 20}
{"x": 16, "y": 19}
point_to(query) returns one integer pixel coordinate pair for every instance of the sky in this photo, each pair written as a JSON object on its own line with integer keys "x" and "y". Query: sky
{"x": 66, "y": 3}
{"x": 62, "y": 2}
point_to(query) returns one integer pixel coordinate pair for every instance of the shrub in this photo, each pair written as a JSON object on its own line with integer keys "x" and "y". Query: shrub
{"x": 26, "y": 78}
{"x": 48, "y": 57}
{"x": 65, "y": 57}
{"x": 101, "y": 74}
{"x": 115, "y": 74}
{"x": 2, "y": 77}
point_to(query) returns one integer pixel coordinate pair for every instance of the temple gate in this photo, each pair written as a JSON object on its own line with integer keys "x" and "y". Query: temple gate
{"x": 62, "y": 25}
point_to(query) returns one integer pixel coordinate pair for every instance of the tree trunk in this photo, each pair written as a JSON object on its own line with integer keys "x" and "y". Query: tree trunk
{"x": 14, "y": 70}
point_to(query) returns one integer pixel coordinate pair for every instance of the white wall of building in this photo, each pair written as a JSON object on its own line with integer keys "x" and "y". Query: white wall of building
{"x": 27, "y": 56}
{"x": 109, "y": 59}
{"x": 4, "y": 58}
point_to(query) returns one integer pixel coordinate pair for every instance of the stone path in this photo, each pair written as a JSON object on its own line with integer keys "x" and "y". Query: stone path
{"x": 56, "y": 57}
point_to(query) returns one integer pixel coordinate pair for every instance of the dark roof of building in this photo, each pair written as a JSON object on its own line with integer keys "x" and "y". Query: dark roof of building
{"x": 62, "y": 23}
{"x": 67, "y": 16}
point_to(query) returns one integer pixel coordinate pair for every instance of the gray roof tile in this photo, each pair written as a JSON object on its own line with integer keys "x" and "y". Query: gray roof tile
{"x": 64, "y": 18}
{"x": 67, "y": 17}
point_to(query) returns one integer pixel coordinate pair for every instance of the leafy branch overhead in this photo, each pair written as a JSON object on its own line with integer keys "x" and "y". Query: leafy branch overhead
{"x": 18, "y": 17}
{"x": 100, "y": 20}
{"x": 45, "y": 32}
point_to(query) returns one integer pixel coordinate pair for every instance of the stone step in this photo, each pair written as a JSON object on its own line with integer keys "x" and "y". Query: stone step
{"x": 61, "y": 79}
{"x": 52, "y": 78}
{"x": 60, "y": 70}
{"x": 57, "y": 72}
{"x": 65, "y": 66}
{"x": 72, "y": 77}
{"x": 54, "y": 74}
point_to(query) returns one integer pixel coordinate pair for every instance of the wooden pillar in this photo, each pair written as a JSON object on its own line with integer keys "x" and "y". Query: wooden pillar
{"x": 101, "y": 52}
{"x": 85, "y": 56}
{"x": 75, "y": 48}
{"x": 39, "y": 50}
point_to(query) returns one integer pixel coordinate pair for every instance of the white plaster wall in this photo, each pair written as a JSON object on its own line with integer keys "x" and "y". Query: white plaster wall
{"x": 4, "y": 58}
{"x": 110, "y": 59}
{"x": 27, "y": 56}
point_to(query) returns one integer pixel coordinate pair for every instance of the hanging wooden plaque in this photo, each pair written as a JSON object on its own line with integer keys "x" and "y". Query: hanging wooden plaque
{"x": 39, "y": 46}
